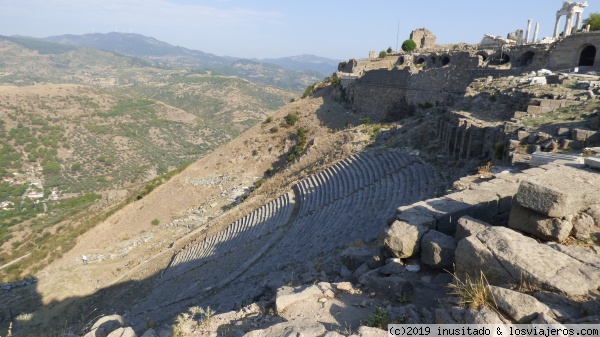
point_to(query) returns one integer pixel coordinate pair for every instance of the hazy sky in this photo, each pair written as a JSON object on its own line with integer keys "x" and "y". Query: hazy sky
{"x": 269, "y": 28}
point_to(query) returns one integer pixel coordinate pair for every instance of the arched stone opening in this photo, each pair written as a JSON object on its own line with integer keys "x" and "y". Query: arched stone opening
{"x": 444, "y": 60}
{"x": 432, "y": 60}
{"x": 587, "y": 56}
{"x": 401, "y": 60}
{"x": 420, "y": 60}
{"x": 525, "y": 59}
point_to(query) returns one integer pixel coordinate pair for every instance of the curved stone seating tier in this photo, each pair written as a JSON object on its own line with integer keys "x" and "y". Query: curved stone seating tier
{"x": 261, "y": 222}
{"x": 349, "y": 201}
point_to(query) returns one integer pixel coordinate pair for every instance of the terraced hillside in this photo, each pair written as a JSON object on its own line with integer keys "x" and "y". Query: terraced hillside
{"x": 327, "y": 210}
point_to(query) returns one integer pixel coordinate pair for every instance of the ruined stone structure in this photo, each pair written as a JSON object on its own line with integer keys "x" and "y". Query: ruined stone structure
{"x": 577, "y": 50}
{"x": 464, "y": 138}
{"x": 444, "y": 76}
{"x": 516, "y": 36}
{"x": 569, "y": 9}
{"x": 423, "y": 37}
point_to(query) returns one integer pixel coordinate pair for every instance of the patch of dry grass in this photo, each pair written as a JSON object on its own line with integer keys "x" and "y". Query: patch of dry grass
{"x": 473, "y": 292}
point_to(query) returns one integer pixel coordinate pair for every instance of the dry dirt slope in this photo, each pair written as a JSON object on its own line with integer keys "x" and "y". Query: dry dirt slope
{"x": 127, "y": 247}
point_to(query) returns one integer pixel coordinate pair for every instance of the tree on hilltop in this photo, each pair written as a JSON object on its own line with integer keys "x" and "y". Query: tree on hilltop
{"x": 382, "y": 54}
{"x": 409, "y": 45}
{"x": 593, "y": 20}
{"x": 389, "y": 50}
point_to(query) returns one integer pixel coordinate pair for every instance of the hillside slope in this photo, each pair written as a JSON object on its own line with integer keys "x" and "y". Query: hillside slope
{"x": 79, "y": 124}
{"x": 123, "y": 248}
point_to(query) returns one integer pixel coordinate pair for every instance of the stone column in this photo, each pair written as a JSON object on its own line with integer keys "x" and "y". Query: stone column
{"x": 569, "y": 24}
{"x": 528, "y": 30}
{"x": 556, "y": 26}
{"x": 578, "y": 23}
{"x": 535, "y": 33}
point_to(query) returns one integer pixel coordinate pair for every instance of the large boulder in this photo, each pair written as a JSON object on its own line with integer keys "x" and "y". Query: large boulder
{"x": 543, "y": 227}
{"x": 506, "y": 256}
{"x": 522, "y": 308}
{"x": 105, "y": 325}
{"x": 403, "y": 239}
{"x": 585, "y": 256}
{"x": 560, "y": 192}
{"x": 437, "y": 250}
{"x": 286, "y": 296}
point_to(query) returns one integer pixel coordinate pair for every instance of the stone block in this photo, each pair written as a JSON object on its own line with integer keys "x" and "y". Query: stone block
{"x": 417, "y": 219}
{"x": 513, "y": 144}
{"x": 543, "y": 227}
{"x": 538, "y": 109}
{"x": 593, "y": 162}
{"x": 403, "y": 239}
{"x": 569, "y": 144}
{"x": 520, "y": 307}
{"x": 468, "y": 226}
{"x": 506, "y": 256}
{"x": 519, "y": 114}
{"x": 585, "y": 135}
{"x": 511, "y": 127}
{"x": 559, "y": 192}
{"x": 543, "y": 158}
{"x": 484, "y": 204}
{"x": 437, "y": 250}
{"x": 522, "y": 135}
{"x": 563, "y": 132}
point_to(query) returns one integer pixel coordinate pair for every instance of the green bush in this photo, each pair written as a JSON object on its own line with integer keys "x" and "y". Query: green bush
{"x": 593, "y": 20}
{"x": 274, "y": 129}
{"x": 155, "y": 222}
{"x": 269, "y": 119}
{"x": 409, "y": 45}
{"x": 378, "y": 319}
{"x": 382, "y": 54}
{"x": 291, "y": 119}
{"x": 308, "y": 91}
{"x": 389, "y": 50}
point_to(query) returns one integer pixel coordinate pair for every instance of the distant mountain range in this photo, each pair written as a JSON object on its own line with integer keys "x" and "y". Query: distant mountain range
{"x": 153, "y": 50}
{"x": 293, "y": 73}
{"x": 323, "y": 65}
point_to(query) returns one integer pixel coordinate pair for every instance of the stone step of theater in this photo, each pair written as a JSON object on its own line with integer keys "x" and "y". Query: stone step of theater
{"x": 351, "y": 200}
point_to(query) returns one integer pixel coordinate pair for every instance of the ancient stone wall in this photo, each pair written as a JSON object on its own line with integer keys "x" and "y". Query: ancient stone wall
{"x": 442, "y": 84}
{"x": 568, "y": 51}
{"x": 381, "y": 94}
{"x": 423, "y": 37}
{"x": 347, "y": 67}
